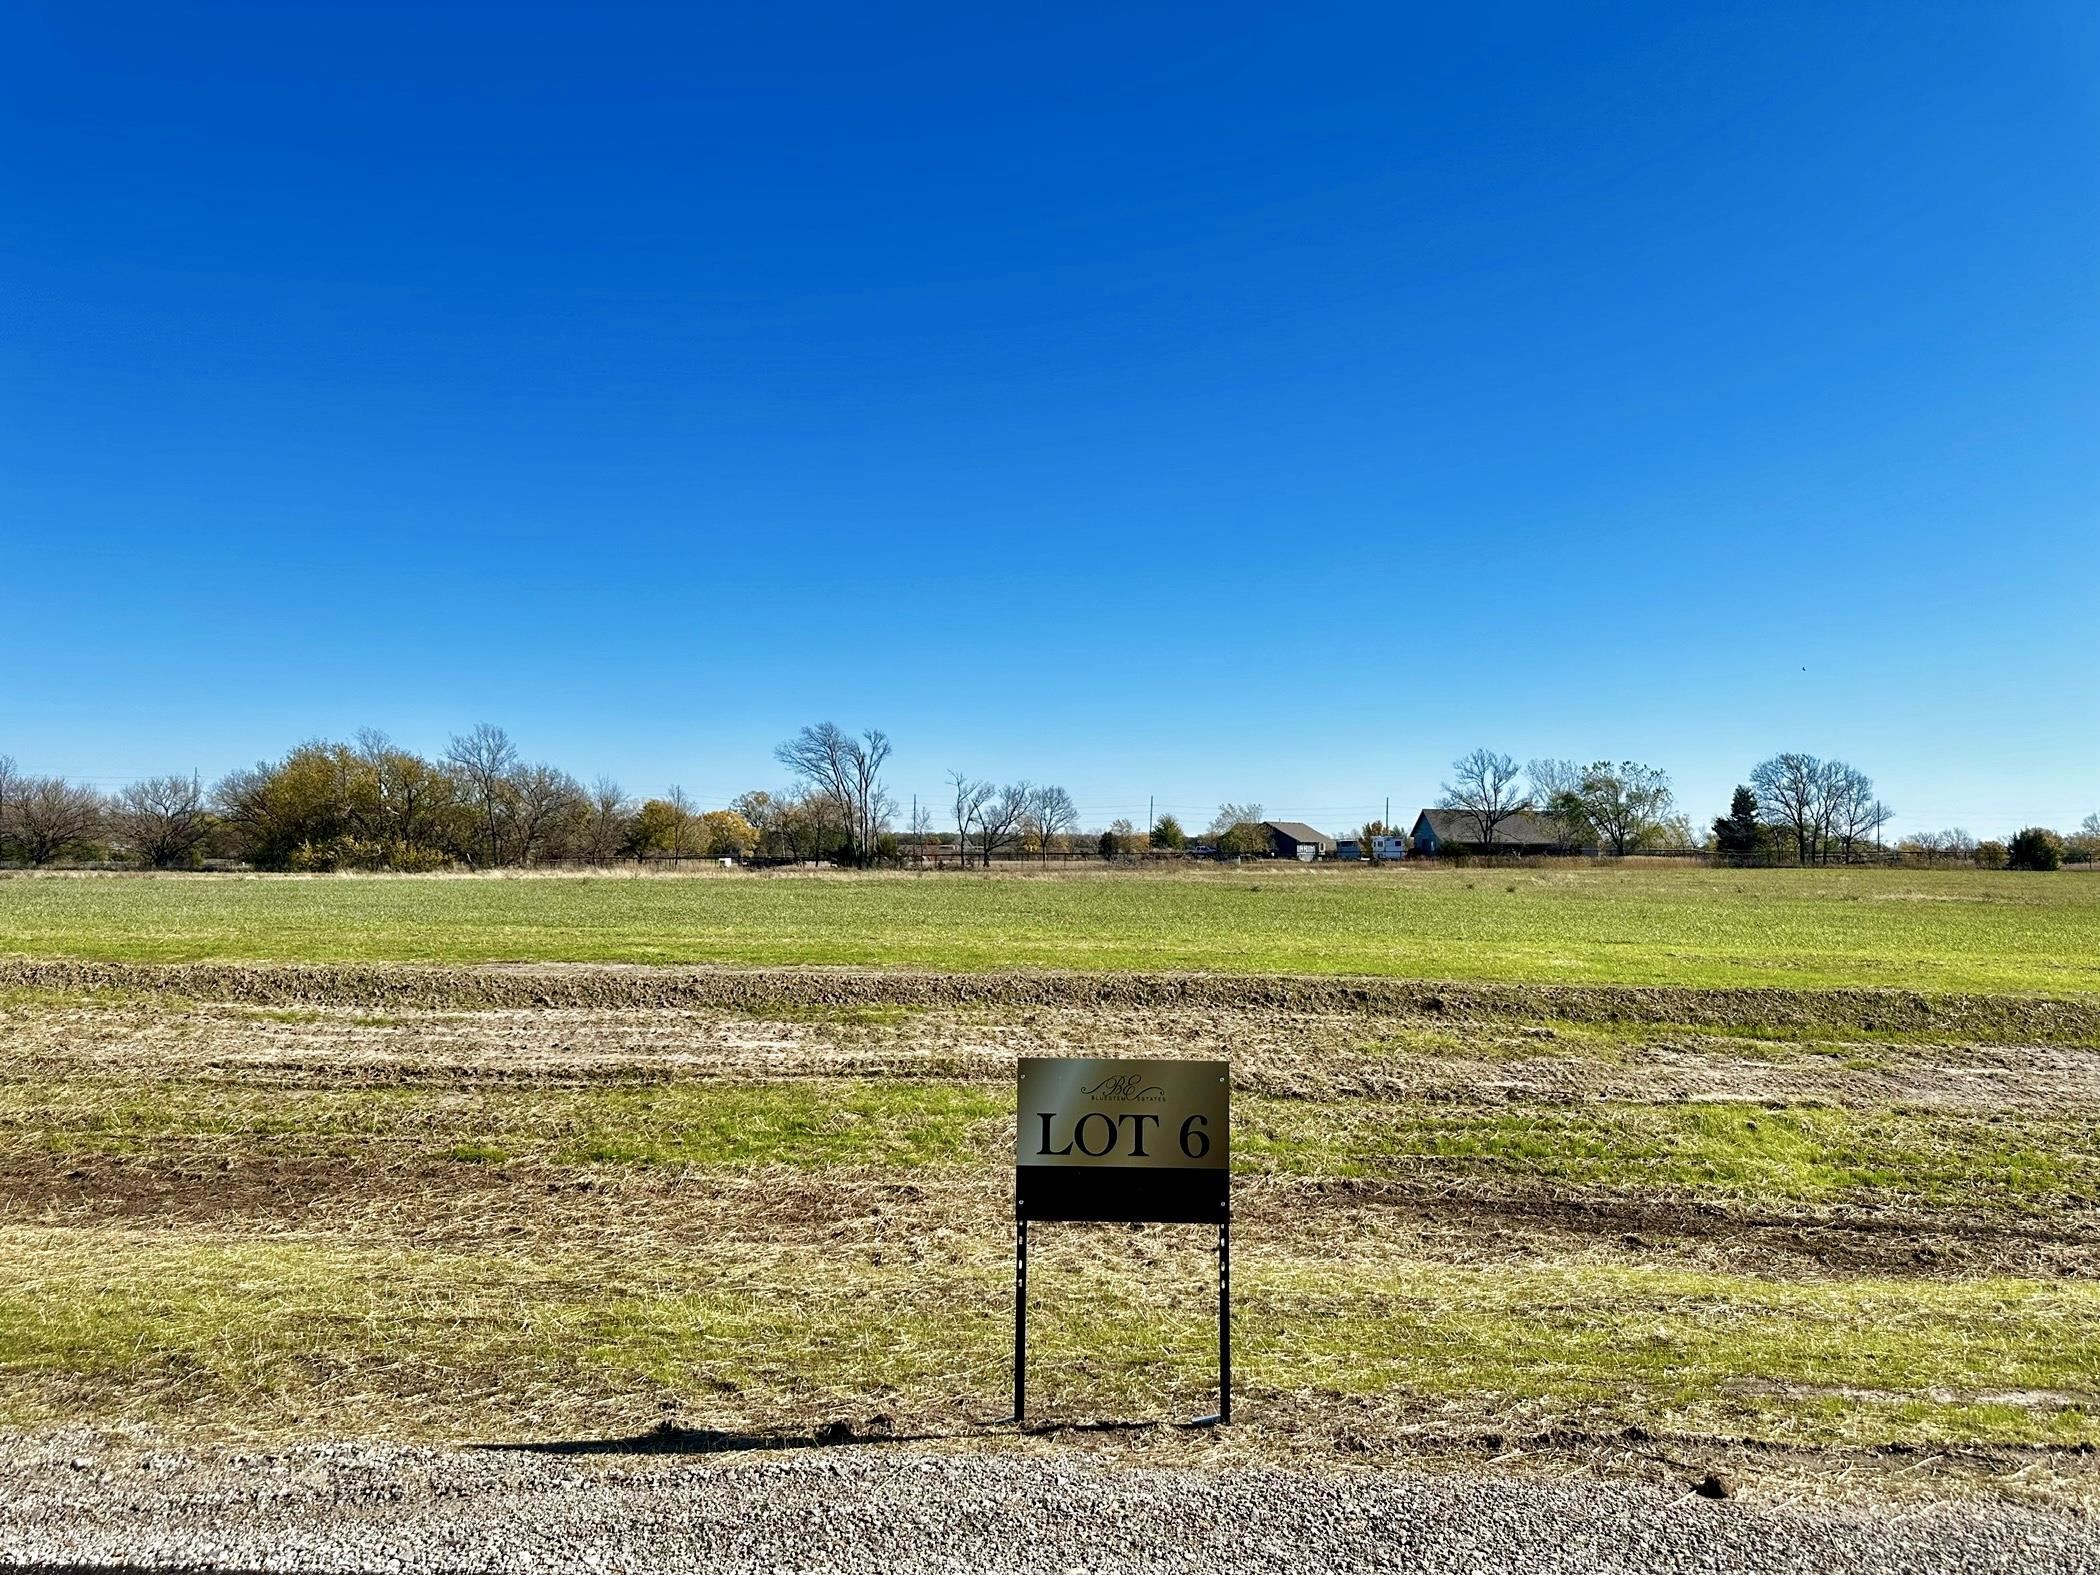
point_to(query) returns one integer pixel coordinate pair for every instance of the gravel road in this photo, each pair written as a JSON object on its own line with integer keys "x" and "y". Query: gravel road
{"x": 71, "y": 1501}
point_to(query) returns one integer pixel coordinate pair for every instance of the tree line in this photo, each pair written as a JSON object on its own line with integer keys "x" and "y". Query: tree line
{"x": 370, "y": 804}
{"x": 1795, "y": 809}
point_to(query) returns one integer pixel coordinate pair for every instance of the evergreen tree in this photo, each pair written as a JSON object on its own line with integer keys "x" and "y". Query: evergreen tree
{"x": 1738, "y": 838}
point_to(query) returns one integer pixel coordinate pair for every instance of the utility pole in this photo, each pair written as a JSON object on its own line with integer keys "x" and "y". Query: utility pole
{"x": 1150, "y": 819}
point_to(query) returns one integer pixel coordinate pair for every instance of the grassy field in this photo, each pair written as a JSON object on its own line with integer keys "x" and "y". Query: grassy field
{"x": 1924, "y": 930}
{"x": 1820, "y": 1240}
{"x": 538, "y": 1224}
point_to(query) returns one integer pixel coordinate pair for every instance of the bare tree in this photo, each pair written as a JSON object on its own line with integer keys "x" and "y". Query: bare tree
{"x": 1000, "y": 815}
{"x": 1484, "y": 789}
{"x": 1848, "y": 809}
{"x": 1051, "y": 813}
{"x": 1230, "y": 815}
{"x": 1789, "y": 790}
{"x": 484, "y": 760}
{"x": 1825, "y": 805}
{"x": 1551, "y": 779}
{"x": 10, "y": 781}
{"x": 161, "y": 819}
{"x": 546, "y": 807}
{"x": 50, "y": 817}
{"x": 1879, "y": 815}
{"x": 681, "y": 819}
{"x": 849, "y": 770}
{"x": 1557, "y": 793}
{"x": 970, "y": 797}
{"x": 606, "y": 821}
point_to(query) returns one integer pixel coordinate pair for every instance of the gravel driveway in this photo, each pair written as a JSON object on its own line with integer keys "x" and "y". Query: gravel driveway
{"x": 71, "y": 1501}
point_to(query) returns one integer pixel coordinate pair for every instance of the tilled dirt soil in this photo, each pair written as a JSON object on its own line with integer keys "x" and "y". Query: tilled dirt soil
{"x": 1995, "y": 1018}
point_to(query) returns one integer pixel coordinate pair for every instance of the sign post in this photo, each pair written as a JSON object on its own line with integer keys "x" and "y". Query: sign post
{"x": 1123, "y": 1140}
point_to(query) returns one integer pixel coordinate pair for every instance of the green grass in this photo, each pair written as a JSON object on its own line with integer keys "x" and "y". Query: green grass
{"x": 807, "y": 1125}
{"x": 305, "y": 1331}
{"x": 1740, "y": 1151}
{"x": 1928, "y": 930}
{"x": 1732, "y": 1149}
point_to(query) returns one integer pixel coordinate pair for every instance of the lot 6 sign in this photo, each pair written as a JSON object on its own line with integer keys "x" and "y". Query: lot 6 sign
{"x": 1122, "y": 1140}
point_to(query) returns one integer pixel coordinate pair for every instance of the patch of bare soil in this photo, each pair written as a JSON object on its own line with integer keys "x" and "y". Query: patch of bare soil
{"x": 2000, "y": 1019}
{"x": 666, "y": 1214}
{"x": 1275, "y": 1053}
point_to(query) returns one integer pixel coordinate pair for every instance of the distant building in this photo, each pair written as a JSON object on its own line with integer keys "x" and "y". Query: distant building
{"x": 1293, "y": 839}
{"x": 1453, "y": 830}
{"x": 1388, "y": 847}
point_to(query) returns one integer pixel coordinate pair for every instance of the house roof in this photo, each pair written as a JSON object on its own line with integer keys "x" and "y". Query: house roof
{"x": 1455, "y": 825}
{"x": 1296, "y": 830}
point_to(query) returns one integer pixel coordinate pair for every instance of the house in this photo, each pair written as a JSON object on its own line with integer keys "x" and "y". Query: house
{"x": 1453, "y": 830}
{"x": 1294, "y": 839}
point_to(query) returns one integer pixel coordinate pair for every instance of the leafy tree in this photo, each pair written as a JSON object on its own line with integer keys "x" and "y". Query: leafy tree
{"x": 1109, "y": 845}
{"x": 1624, "y": 804}
{"x": 304, "y": 801}
{"x": 1739, "y": 836}
{"x": 659, "y": 828}
{"x": 1167, "y": 834}
{"x": 724, "y": 834}
{"x": 1990, "y": 855}
{"x": 2035, "y": 848}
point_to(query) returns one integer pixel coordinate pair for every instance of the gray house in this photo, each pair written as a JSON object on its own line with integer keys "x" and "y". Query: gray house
{"x": 1439, "y": 830}
{"x": 1294, "y": 839}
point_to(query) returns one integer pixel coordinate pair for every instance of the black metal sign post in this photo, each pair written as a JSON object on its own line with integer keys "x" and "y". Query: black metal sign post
{"x": 1123, "y": 1141}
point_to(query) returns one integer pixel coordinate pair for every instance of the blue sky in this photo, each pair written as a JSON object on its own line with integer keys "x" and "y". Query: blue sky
{"x": 1197, "y": 403}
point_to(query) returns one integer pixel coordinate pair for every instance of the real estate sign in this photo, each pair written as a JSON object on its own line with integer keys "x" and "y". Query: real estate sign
{"x": 1122, "y": 1139}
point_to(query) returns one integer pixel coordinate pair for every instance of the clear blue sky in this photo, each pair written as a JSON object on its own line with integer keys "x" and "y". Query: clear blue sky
{"x": 1204, "y": 403}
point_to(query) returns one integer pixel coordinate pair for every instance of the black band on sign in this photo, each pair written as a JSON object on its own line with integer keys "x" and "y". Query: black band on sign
{"x": 1120, "y": 1193}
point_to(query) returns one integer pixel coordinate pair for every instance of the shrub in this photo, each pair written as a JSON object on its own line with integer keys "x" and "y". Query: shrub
{"x": 1990, "y": 855}
{"x": 2035, "y": 848}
